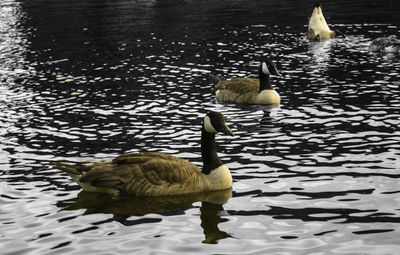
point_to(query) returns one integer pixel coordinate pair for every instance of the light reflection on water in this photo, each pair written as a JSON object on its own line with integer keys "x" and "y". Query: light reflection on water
{"x": 319, "y": 173}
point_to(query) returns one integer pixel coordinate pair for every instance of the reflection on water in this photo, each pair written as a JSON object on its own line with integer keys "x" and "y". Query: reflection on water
{"x": 15, "y": 71}
{"x": 321, "y": 52}
{"x": 210, "y": 218}
{"x": 88, "y": 81}
{"x": 105, "y": 203}
{"x": 13, "y": 45}
{"x": 124, "y": 207}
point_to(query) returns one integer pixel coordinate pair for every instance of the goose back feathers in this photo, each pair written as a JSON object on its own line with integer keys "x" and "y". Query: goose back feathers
{"x": 385, "y": 44}
{"x": 155, "y": 173}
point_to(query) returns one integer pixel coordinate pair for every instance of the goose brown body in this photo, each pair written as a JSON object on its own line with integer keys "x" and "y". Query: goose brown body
{"x": 155, "y": 173}
{"x": 144, "y": 174}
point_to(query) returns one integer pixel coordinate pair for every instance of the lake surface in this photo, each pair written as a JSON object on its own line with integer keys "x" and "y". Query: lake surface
{"x": 87, "y": 80}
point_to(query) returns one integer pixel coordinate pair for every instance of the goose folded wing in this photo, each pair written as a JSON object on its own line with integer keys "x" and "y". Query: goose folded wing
{"x": 145, "y": 174}
{"x": 102, "y": 178}
{"x": 164, "y": 177}
{"x": 240, "y": 85}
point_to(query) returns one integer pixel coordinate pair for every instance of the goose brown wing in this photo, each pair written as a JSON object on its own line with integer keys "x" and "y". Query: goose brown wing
{"x": 148, "y": 173}
{"x": 166, "y": 177}
{"x": 240, "y": 85}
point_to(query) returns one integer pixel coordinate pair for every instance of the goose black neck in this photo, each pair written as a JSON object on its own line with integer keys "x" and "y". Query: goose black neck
{"x": 211, "y": 160}
{"x": 265, "y": 82}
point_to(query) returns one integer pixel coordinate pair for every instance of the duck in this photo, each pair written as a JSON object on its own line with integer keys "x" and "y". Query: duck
{"x": 385, "y": 44}
{"x": 250, "y": 90}
{"x": 146, "y": 174}
{"x": 318, "y": 28}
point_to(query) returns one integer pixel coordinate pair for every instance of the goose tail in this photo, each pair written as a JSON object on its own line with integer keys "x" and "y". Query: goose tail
{"x": 102, "y": 181}
{"x": 75, "y": 171}
{"x": 214, "y": 80}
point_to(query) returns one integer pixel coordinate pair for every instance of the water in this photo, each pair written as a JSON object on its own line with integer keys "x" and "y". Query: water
{"x": 88, "y": 80}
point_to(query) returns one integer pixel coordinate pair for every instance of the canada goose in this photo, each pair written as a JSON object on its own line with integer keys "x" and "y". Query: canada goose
{"x": 155, "y": 173}
{"x": 318, "y": 28}
{"x": 249, "y": 90}
{"x": 385, "y": 44}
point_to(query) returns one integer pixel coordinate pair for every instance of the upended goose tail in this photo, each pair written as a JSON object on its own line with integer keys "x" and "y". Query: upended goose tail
{"x": 318, "y": 27}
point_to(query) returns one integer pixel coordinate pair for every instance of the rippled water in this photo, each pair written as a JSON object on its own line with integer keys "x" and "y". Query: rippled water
{"x": 88, "y": 80}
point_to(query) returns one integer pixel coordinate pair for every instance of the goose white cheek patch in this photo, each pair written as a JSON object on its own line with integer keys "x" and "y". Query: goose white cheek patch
{"x": 208, "y": 126}
{"x": 265, "y": 69}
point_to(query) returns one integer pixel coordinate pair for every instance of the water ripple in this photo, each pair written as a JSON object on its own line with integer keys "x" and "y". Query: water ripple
{"x": 311, "y": 175}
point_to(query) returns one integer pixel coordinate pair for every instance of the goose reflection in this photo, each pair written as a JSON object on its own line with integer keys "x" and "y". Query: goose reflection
{"x": 210, "y": 218}
{"x": 321, "y": 52}
{"x": 123, "y": 207}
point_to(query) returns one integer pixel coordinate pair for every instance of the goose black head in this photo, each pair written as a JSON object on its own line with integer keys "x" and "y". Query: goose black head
{"x": 268, "y": 68}
{"x": 214, "y": 122}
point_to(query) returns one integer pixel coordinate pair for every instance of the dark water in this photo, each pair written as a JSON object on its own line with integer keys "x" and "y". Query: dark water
{"x": 88, "y": 80}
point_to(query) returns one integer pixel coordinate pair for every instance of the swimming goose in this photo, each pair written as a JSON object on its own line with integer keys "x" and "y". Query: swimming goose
{"x": 155, "y": 173}
{"x": 249, "y": 90}
{"x": 385, "y": 44}
{"x": 318, "y": 28}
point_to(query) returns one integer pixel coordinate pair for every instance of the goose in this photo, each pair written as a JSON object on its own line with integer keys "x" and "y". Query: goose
{"x": 385, "y": 44}
{"x": 147, "y": 174}
{"x": 318, "y": 28}
{"x": 250, "y": 90}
